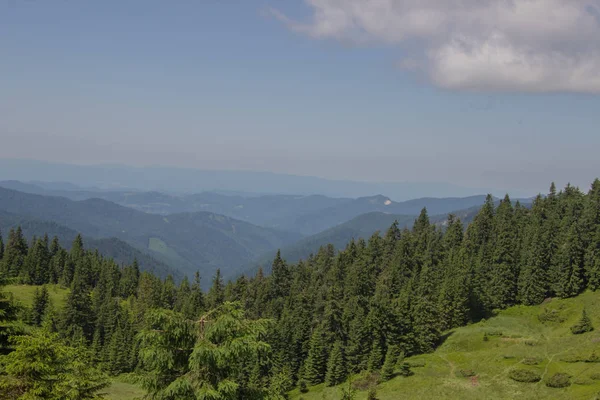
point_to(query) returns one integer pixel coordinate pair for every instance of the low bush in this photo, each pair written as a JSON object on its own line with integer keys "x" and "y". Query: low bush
{"x": 366, "y": 381}
{"x": 524, "y": 375}
{"x": 465, "y": 373}
{"x": 559, "y": 380}
{"x": 531, "y": 361}
{"x": 416, "y": 363}
{"x": 595, "y": 376}
{"x": 551, "y": 315}
{"x": 303, "y": 386}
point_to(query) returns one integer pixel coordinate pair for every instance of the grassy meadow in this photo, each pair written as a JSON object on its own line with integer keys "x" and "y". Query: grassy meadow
{"x": 532, "y": 338}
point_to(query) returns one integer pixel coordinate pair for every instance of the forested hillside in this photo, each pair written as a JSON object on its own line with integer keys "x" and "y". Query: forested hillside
{"x": 114, "y": 248}
{"x": 308, "y": 323}
{"x": 186, "y": 242}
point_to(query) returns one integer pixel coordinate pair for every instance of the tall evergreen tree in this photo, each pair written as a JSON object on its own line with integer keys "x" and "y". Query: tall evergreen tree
{"x": 503, "y": 283}
{"x": 336, "y": 366}
{"x": 316, "y": 361}
{"x": 41, "y": 302}
{"x": 216, "y": 294}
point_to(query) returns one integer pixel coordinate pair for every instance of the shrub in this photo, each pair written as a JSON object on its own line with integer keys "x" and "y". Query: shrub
{"x": 583, "y": 381}
{"x": 559, "y": 380}
{"x": 494, "y": 333}
{"x": 372, "y": 395}
{"x": 593, "y": 358}
{"x": 551, "y": 316}
{"x": 573, "y": 358}
{"x": 405, "y": 369}
{"x": 583, "y": 325}
{"x": 524, "y": 375}
{"x": 485, "y": 337}
{"x": 595, "y": 376}
{"x": 416, "y": 363}
{"x": 531, "y": 361}
{"x": 465, "y": 373}
{"x": 303, "y": 386}
{"x": 367, "y": 380}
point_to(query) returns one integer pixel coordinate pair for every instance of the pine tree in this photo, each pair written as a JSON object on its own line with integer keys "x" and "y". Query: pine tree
{"x": 570, "y": 273}
{"x": 130, "y": 279}
{"x": 336, "y": 366}
{"x": 503, "y": 285}
{"x": 41, "y": 302}
{"x": 14, "y": 253}
{"x": 43, "y": 367}
{"x": 533, "y": 281}
{"x": 181, "y": 357}
{"x": 77, "y": 318}
{"x": 316, "y": 361}
{"x": 583, "y": 325}
{"x": 216, "y": 294}
{"x": 1, "y": 248}
{"x": 391, "y": 358}
{"x": 376, "y": 355}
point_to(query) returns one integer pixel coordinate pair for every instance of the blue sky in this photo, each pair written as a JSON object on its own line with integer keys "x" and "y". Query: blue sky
{"x": 289, "y": 86}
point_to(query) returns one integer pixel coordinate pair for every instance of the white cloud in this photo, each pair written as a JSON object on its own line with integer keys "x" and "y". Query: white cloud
{"x": 516, "y": 45}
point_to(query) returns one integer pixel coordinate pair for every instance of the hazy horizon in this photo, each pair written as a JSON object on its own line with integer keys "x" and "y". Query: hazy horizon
{"x": 478, "y": 96}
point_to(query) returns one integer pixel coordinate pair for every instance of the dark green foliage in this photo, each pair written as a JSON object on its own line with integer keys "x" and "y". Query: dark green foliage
{"x": 583, "y": 325}
{"x": 315, "y": 367}
{"x": 302, "y": 386}
{"x": 391, "y": 358}
{"x": 336, "y": 367}
{"x": 42, "y": 367}
{"x": 405, "y": 369}
{"x": 41, "y": 302}
{"x": 524, "y": 375}
{"x": 185, "y": 360}
{"x": 559, "y": 380}
{"x": 465, "y": 373}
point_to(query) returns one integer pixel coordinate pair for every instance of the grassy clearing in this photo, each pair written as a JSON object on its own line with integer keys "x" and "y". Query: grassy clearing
{"x": 119, "y": 390}
{"x": 516, "y": 339}
{"x": 23, "y": 294}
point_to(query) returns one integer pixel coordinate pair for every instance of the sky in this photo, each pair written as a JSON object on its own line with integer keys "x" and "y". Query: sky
{"x": 477, "y": 93}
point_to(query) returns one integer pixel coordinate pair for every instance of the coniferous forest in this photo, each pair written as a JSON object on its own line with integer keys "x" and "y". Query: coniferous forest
{"x": 320, "y": 320}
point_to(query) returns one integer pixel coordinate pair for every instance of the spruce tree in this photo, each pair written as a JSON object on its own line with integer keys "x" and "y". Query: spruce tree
{"x": 533, "y": 280}
{"x": 391, "y": 358}
{"x": 583, "y": 325}
{"x": 570, "y": 272}
{"x": 336, "y": 366}
{"x": 216, "y": 294}
{"x": 14, "y": 253}
{"x": 41, "y": 302}
{"x": 1, "y": 248}
{"x": 316, "y": 361}
{"x": 186, "y": 360}
{"x": 43, "y": 367}
{"x": 503, "y": 283}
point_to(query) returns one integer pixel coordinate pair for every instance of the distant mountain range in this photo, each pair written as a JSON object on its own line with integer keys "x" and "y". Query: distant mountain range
{"x": 205, "y": 231}
{"x": 185, "y": 241}
{"x": 184, "y": 180}
{"x": 306, "y": 215}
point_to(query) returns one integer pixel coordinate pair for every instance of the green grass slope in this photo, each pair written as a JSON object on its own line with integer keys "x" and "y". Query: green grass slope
{"x": 532, "y": 338}
{"x": 23, "y": 294}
